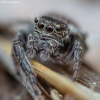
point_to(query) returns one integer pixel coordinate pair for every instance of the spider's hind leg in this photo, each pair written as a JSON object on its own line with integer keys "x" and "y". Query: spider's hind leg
{"x": 78, "y": 50}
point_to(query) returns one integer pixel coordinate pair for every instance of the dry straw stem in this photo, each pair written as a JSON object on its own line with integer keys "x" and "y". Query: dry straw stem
{"x": 60, "y": 82}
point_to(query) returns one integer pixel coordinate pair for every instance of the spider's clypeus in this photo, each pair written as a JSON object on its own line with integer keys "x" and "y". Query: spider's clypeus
{"x": 53, "y": 38}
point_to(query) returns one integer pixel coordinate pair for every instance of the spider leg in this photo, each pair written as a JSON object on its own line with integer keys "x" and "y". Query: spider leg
{"x": 30, "y": 52}
{"x": 22, "y": 37}
{"x": 26, "y": 67}
{"x": 21, "y": 56}
{"x": 77, "y": 59}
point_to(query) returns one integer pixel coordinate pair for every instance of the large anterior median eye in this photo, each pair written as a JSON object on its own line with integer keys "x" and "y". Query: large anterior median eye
{"x": 49, "y": 28}
{"x": 41, "y": 25}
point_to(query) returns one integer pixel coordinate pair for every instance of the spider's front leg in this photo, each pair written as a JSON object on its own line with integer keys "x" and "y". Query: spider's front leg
{"x": 78, "y": 50}
{"x": 19, "y": 51}
{"x": 30, "y": 52}
{"x": 26, "y": 66}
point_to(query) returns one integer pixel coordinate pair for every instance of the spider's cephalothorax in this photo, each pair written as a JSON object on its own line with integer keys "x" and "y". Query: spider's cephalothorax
{"x": 49, "y": 35}
{"x": 55, "y": 39}
{"x": 52, "y": 28}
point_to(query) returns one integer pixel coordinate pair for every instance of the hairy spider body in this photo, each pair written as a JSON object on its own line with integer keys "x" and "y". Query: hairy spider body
{"x": 56, "y": 39}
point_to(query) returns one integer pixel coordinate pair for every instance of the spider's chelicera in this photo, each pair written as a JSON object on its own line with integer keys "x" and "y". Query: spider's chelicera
{"x": 52, "y": 39}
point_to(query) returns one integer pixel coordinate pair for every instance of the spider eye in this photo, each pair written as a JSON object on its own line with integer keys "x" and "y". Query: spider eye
{"x": 41, "y": 25}
{"x": 36, "y": 20}
{"x": 59, "y": 28}
{"x": 49, "y": 28}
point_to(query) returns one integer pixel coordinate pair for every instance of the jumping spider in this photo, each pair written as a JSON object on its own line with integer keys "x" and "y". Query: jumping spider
{"x": 54, "y": 38}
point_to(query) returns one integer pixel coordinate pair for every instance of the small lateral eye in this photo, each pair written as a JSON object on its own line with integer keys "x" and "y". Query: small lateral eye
{"x": 49, "y": 28}
{"x": 59, "y": 28}
{"x": 36, "y": 20}
{"x": 41, "y": 25}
